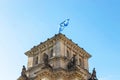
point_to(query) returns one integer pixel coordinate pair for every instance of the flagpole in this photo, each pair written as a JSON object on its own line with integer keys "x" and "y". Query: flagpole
{"x": 59, "y": 30}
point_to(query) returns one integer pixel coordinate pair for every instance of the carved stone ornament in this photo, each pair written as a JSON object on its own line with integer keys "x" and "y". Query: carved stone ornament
{"x": 23, "y": 74}
{"x": 93, "y": 76}
{"x": 46, "y": 64}
{"x": 72, "y": 63}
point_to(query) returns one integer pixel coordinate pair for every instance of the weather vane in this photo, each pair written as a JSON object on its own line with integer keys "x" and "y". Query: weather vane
{"x": 63, "y": 25}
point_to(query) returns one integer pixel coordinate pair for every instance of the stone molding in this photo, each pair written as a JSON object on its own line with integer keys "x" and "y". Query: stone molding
{"x": 50, "y": 42}
{"x": 61, "y": 73}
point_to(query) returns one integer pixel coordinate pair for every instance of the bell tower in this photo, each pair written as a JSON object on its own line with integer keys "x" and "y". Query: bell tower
{"x": 58, "y": 58}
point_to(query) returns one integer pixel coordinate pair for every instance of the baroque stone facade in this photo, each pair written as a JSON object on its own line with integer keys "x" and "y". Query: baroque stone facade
{"x": 59, "y": 62}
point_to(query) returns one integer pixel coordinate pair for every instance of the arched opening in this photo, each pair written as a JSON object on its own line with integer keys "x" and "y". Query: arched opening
{"x": 51, "y": 53}
{"x": 36, "y": 60}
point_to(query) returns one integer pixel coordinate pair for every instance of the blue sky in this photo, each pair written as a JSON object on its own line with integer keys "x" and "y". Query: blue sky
{"x": 94, "y": 25}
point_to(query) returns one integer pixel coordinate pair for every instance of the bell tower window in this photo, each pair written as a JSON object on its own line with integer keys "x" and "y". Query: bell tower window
{"x": 68, "y": 54}
{"x": 79, "y": 62}
{"x": 51, "y": 53}
{"x": 36, "y": 60}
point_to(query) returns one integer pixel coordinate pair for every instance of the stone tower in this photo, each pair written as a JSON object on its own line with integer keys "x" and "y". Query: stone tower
{"x": 58, "y": 58}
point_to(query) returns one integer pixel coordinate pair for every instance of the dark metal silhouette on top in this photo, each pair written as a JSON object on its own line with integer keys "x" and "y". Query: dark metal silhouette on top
{"x": 46, "y": 62}
{"x": 93, "y": 76}
{"x": 72, "y": 63}
{"x": 23, "y": 73}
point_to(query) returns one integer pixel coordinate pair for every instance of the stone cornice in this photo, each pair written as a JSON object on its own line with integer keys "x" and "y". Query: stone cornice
{"x": 51, "y": 41}
{"x": 59, "y": 73}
